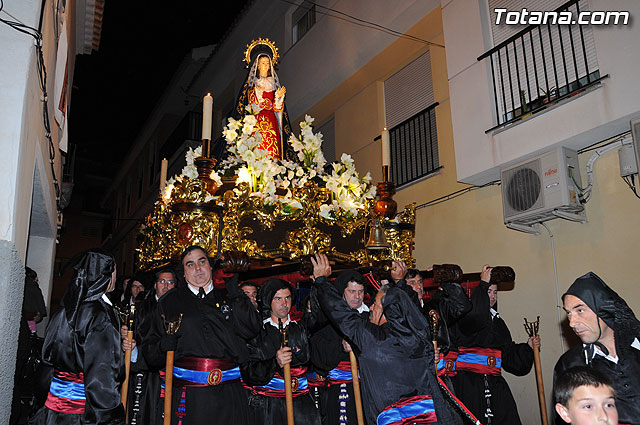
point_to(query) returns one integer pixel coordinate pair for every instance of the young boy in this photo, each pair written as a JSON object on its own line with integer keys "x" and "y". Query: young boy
{"x": 585, "y": 396}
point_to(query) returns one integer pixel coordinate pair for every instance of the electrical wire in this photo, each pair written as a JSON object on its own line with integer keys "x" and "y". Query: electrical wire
{"x": 606, "y": 142}
{"x": 456, "y": 194}
{"x": 42, "y": 82}
{"x": 362, "y": 22}
{"x": 559, "y": 307}
{"x": 632, "y": 185}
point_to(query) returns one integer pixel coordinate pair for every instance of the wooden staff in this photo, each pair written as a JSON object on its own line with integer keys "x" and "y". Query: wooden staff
{"x": 434, "y": 324}
{"x": 532, "y": 330}
{"x": 356, "y": 387}
{"x": 127, "y": 317}
{"x": 288, "y": 394}
{"x": 171, "y": 328}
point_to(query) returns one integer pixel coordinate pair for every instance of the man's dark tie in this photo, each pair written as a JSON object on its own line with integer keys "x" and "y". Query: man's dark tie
{"x": 201, "y": 293}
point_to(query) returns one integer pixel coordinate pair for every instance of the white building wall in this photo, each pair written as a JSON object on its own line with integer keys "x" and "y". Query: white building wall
{"x": 578, "y": 122}
{"x": 28, "y": 216}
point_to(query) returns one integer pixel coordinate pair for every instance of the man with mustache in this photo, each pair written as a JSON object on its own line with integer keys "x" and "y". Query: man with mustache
{"x": 610, "y": 335}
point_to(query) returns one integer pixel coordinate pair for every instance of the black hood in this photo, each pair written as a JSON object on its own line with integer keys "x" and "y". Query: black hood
{"x": 269, "y": 289}
{"x": 596, "y": 295}
{"x": 93, "y": 270}
{"x": 610, "y": 307}
{"x": 405, "y": 319}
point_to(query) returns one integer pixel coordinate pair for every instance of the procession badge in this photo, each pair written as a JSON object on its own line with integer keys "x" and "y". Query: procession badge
{"x": 215, "y": 377}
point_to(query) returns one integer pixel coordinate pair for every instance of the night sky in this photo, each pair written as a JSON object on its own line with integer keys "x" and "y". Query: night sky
{"x": 115, "y": 89}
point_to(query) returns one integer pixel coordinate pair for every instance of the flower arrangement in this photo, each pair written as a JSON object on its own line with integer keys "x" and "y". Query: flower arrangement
{"x": 349, "y": 191}
{"x": 275, "y": 181}
{"x": 189, "y": 171}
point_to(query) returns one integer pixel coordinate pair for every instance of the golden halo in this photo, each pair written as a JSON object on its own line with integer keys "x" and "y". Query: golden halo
{"x": 262, "y": 41}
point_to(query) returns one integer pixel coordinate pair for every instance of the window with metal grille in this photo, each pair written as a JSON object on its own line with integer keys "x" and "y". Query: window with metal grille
{"x": 411, "y": 120}
{"x": 303, "y": 19}
{"x": 537, "y": 65}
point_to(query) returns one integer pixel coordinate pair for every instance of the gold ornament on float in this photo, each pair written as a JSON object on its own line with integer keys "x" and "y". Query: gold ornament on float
{"x": 273, "y": 210}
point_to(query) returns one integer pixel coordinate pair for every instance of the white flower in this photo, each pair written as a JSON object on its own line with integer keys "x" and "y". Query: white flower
{"x": 229, "y": 134}
{"x": 166, "y": 196}
{"x": 326, "y": 211}
{"x": 347, "y": 160}
{"x": 243, "y": 175}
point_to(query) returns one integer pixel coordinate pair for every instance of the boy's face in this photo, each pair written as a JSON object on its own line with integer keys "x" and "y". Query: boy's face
{"x": 590, "y": 406}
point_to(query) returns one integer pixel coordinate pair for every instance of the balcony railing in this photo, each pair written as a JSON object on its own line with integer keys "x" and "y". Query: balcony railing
{"x": 541, "y": 65}
{"x": 414, "y": 147}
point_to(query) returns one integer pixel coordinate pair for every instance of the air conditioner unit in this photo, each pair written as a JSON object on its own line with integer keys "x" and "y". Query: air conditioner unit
{"x": 542, "y": 188}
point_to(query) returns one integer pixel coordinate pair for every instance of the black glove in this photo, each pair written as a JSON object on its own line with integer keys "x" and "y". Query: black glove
{"x": 168, "y": 343}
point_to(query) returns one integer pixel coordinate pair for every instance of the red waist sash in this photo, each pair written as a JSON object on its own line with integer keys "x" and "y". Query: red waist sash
{"x": 341, "y": 374}
{"x": 66, "y": 393}
{"x": 487, "y": 361}
{"x": 447, "y": 364}
{"x": 316, "y": 380}
{"x": 216, "y": 371}
{"x": 275, "y": 387}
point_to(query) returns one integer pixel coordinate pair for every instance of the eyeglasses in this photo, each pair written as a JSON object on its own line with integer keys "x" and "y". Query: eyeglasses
{"x": 167, "y": 282}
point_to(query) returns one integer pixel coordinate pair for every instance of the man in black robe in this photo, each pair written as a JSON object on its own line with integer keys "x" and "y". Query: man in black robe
{"x": 485, "y": 349}
{"x": 209, "y": 344}
{"x": 396, "y": 354}
{"x": 145, "y": 405}
{"x": 449, "y": 303}
{"x": 330, "y": 355}
{"x": 264, "y": 370}
{"x": 82, "y": 344}
{"x": 135, "y": 288}
{"x": 610, "y": 335}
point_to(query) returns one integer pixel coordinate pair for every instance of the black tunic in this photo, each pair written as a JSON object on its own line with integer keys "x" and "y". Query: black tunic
{"x": 326, "y": 353}
{"x": 261, "y": 368}
{"x": 84, "y": 337}
{"x": 617, "y": 314}
{"x": 479, "y": 329}
{"x": 211, "y": 329}
{"x": 145, "y": 405}
{"x": 396, "y": 359}
{"x": 451, "y": 303}
{"x": 94, "y": 349}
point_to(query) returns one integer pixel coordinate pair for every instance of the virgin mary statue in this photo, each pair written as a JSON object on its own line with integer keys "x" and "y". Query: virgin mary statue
{"x": 264, "y": 94}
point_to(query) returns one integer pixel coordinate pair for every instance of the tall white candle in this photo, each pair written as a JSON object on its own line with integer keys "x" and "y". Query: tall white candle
{"x": 207, "y": 112}
{"x": 386, "y": 147}
{"x": 163, "y": 174}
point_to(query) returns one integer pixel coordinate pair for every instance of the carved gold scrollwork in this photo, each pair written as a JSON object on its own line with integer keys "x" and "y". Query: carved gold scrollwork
{"x": 192, "y": 216}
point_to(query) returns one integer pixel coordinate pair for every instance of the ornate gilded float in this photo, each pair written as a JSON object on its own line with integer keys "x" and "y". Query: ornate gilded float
{"x": 275, "y": 210}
